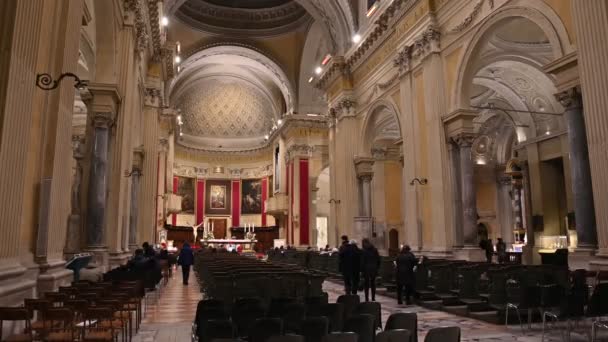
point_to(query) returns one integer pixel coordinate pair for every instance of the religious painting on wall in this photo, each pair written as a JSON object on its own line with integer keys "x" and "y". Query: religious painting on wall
{"x": 185, "y": 189}
{"x": 251, "y": 196}
{"x": 217, "y": 197}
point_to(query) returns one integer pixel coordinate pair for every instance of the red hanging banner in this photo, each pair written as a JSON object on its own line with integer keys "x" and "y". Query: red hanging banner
{"x": 264, "y": 198}
{"x": 200, "y": 201}
{"x": 304, "y": 206}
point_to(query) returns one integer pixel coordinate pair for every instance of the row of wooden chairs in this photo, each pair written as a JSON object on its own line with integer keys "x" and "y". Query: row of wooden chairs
{"x": 85, "y": 311}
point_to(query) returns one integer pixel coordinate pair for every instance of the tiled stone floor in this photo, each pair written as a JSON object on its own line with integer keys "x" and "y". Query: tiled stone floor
{"x": 170, "y": 320}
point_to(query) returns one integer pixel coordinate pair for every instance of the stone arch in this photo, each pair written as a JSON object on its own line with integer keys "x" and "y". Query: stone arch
{"x": 385, "y": 113}
{"x": 537, "y": 12}
{"x": 310, "y": 98}
{"x": 247, "y": 55}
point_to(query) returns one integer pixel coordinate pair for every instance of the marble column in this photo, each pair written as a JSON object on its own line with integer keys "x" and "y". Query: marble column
{"x": 457, "y": 195}
{"x": 469, "y": 198}
{"x": 591, "y": 27}
{"x": 505, "y": 208}
{"x": 136, "y": 173}
{"x": 97, "y": 182}
{"x": 582, "y": 188}
{"x": 366, "y": 197}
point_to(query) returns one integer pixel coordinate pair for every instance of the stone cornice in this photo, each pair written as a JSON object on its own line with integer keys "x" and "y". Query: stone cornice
{"x": 155, "y": 28}
{"x": 364, "y": 167}
{"x": 140, "y": 18}
{"x": 459, "y": 122}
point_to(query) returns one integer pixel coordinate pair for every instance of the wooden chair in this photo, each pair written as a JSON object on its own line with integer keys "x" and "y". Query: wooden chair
{"x": 56, "y": 298}
{"x": 94, "y": 329}
{"x": 36, "y": 308}
{"x": 59, "y": 325}
{"x": 16, "y": 315}
{"x": 119, "y": 320}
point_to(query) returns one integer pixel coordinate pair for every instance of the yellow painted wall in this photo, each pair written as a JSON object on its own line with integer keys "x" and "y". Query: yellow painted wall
{"x": 563, "y": 8}
{"x": 451, "y": 70}
{"x": 393, "y": 188}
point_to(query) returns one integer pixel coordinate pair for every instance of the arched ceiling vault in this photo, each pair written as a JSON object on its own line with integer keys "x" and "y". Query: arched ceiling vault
{"x": 229, "y": 97}
{"x": 337, "y": 17}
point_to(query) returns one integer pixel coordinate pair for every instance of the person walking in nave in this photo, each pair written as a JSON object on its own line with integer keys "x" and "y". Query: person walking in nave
{"x": 370, "y": 260}
{"x": 185, "y": 260}
{"x": 350, "y": 260}
{"x": 405, "y": 263}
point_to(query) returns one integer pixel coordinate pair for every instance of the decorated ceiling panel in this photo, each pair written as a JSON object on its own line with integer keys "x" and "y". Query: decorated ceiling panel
{"x": 225, "y": 107}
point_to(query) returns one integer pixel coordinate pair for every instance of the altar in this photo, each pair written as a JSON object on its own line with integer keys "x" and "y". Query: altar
{"x": 227, "y": 242}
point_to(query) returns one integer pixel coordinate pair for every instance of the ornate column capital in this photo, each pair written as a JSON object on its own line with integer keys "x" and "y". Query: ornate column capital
{"x": 153, "y": 97}
{"x": 504, "y": 180}
{"x": 364, "y": 168}
{"x": 570, "y": 99}
{"x": 102, "y": 98}
{"x": 427, "y": 43}
{"x": 299, "y": 150}
{"x": 403, "y": 59}
{"x": 344, "y": 107}
{"x": 102, "y": 120}
{"x": 464, "y": 139}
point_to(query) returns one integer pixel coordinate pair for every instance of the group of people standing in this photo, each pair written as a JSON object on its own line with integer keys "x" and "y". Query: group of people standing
{"x": 354, "y": 262}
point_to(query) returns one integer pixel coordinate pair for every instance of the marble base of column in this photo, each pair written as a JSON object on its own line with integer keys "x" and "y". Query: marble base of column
{"x": 100, "y": 257}
{"x": 470, "y": 253}
{"x": 118, "y": 259}
{"x": 72, "y": 243}
{"x": 55, "y": 275}
{"x": 362, "y": 228}
{"x": 580, "y": 257}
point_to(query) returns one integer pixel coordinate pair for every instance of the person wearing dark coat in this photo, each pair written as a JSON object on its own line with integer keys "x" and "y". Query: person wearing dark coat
{"x": 370, "y": 263}
{"x": 342, "y": 264}
{"x": 405, "y": 262}
{"x": 350, "y": 257}
{"x": 185, "y": 260}
{"x": 501, "y": 251}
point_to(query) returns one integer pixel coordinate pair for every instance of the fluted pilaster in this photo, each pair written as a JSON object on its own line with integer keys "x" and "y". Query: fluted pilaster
{"x": 18, "y": 74}
{"x": 591, "y": 26}
{"x": 149, "y": 180}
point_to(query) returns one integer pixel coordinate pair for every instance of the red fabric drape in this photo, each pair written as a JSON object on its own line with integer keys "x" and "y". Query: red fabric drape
{"x": 264, "y": 198}
{"x": 200, "y": 201}
{"x": 292, "y": 181}
{"x": 304, "y": 206}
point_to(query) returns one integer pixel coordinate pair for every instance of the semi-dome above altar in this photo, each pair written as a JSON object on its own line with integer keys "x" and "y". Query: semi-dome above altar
{"x": 243, "y": 17}
{"x": 225, "y": 107}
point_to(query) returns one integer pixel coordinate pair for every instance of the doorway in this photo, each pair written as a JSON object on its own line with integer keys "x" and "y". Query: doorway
{"x": 555, "y": 208}
{"x": 393, "y": 242}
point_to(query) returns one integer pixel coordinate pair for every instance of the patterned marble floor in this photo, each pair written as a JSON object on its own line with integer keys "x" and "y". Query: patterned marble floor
{"x": 170, "y": 319}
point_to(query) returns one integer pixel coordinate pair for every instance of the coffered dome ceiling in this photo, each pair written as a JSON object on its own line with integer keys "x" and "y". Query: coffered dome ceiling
{"x": 243, "y": 17}
{"x": 230, "y": 97}
{"x": 225, "y": 107}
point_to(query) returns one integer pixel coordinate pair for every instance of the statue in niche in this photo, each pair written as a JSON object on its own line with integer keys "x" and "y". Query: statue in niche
{"x": 77, "y": 147}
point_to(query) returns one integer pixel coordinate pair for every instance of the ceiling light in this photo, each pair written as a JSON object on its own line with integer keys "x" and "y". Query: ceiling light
{"x": 356, "y": 38}
{"x": 164, "y": 21}
{"x": 318, "y": 70}
{"x": 311, "y": 79}
{"x": 178, "y": 68}
{"x": 279, "y": 122}
{"x": 179, "y": 118}
{"x": 181, "y": 134}
{"x": 547, "y": 133}
{"x": 326, "y": 59}
{"x": 178, "y": 47}
{"x": 178, "y": 59}
{"x": 266, "y": 137}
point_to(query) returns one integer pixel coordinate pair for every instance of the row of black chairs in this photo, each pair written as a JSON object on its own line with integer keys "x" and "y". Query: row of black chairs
{"x": 247, "y": 318}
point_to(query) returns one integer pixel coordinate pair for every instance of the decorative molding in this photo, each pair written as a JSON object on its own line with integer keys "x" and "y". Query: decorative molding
{"x": 469, "y": 19}
{"x": 299, "y": 150}
{"x": 140, "y": 17}
{"x": 155, "y": 28}
{"x": 380, "y": 87}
